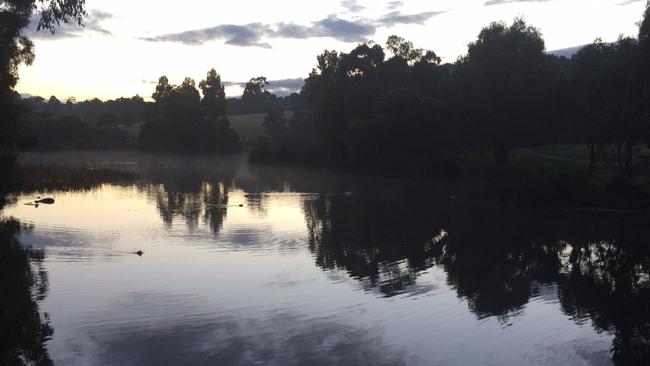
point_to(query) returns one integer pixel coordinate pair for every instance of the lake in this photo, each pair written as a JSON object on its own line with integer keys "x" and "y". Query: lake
{"x": 245, "y": 265}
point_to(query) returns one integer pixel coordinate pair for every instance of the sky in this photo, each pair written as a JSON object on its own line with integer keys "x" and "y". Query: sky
{"x": 127, "y": 45}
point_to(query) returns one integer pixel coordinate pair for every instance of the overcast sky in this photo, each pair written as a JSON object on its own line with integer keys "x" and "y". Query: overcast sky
{"x": 127, "y": 44}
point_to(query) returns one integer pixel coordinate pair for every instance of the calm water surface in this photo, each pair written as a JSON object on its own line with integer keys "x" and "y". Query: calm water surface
{"x": 246, "y": 266}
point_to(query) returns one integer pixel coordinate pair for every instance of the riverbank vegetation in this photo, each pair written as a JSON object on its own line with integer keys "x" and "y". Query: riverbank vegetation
{"x": 490, "y": 117}
{"x": 397, "y": 108}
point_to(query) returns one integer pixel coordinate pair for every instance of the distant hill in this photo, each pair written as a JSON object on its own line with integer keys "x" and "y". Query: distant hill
{"x": 566, "y": 52}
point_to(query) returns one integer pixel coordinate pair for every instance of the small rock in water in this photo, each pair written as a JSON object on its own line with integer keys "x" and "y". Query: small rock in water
{"x": 139, "y": 253}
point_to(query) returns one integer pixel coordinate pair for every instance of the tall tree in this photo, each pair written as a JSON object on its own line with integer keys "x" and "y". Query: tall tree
{"x": 643, "y": 74}
{"x": 163, "y": 90}
{"x": 404, "y": 49}
{"x": 503, "y": 72}
{"x": 182, "y": 121}
{"x": 623, "y": 112}
{"x": 325, "y": 98}
{"x": 589, "y": 80}
{"x": 214, "y": 95}
{"x": 256, "y": 88}
{"x": 16, "y": 48}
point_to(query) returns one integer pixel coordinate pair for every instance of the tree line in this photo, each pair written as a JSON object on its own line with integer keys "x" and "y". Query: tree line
{"x": 399, "y": 108}
{"x": 394, "y": 108}
{"x": 46, "y": 124}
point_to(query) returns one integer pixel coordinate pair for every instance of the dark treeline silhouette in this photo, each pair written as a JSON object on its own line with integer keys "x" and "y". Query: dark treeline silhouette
{"x": 256, "y": 98}
{"x": 114, "y": 124}
{"x": 183, "y": 120}
{"x": 397, "y": 108}
{"x": 50, "y": 124}
{"x": 15, "y": 50}
{"x": 91, "y": 124}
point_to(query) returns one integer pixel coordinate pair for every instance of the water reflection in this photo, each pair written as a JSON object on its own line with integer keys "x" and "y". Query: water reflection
{"x": 274, "y": 285}
{"x": 285, "y": 338}
{"x": 24, "y": 330}
{"x": 383, "y": 239}
{"x": 497, "y": 258}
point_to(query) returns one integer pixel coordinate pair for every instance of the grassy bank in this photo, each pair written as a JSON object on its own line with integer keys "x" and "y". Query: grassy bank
{"x": 558, "y": 175}
{"x": 250, "y": 126}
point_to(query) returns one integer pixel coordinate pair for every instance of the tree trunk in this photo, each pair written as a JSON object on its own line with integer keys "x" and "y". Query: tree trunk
{"x": 619, "y": 155}
{"x": 628, "y": 158}
{"x": 592, "y": 157}
{"x": 502, "y": 155}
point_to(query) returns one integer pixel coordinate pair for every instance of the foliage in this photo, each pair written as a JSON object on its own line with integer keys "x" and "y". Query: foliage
{"x": 17, "y": 49}
{"x": 255, "y": 99}
{"x": 503, "y": 80}
{"x": 409, "y": 113}
{"x": 181, "y": 120}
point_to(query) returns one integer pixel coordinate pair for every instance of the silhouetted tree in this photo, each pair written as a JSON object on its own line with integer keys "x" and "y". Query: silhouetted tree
{"x": 214, "y": 96}
{"x": 256, "y": 98}
{"x": 275, "y": 125}
{"x": 591, "y": 87}
{"x": 504, "y": 74}
{"x": 182, "y": 121}
{"x": 404, "y": 49}
{"x": 642, "y": 86}
{"x": 16, "y": 49}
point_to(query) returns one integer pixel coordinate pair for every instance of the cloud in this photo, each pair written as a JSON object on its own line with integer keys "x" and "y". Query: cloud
{"x": 154, "y": 335}
{"x": 257, "y": 34}
{"x": 280, "y": 87}
{"x": 397, "y": 17}
{"x": 352, "y": 6}
{"x": 286, "y": 86}
{"x": 628, "y": 2}
{"x": 344, "y": 30}
{"x": 500, "y": 2}
{"x": 92, "y": 23}
{"x": 394, "y": 5}
{"x": 251, "y": 35}
{"x": 332, "y": 26}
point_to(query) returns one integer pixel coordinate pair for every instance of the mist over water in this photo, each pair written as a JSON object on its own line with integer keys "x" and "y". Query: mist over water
{"x": 280, "y": 266}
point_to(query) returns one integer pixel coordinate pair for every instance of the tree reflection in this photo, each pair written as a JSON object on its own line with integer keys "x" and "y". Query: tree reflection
{"x": 384, "y": 240}
{"x": 608, "y": 282}
{"x": 496, "y": 258}
{"x": 193, "y": 188}
{"x": 24, "y": 331}
{"x": 208, "y": 203}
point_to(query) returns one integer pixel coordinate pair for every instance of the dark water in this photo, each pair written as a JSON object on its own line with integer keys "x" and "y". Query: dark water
{"x": 251, "y": 266}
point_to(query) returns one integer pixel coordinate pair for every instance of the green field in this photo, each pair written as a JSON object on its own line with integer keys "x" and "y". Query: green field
{"x": 249, "y": 126}
{"x": 570, "y": 152}
{"x": 576, "y": 153}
